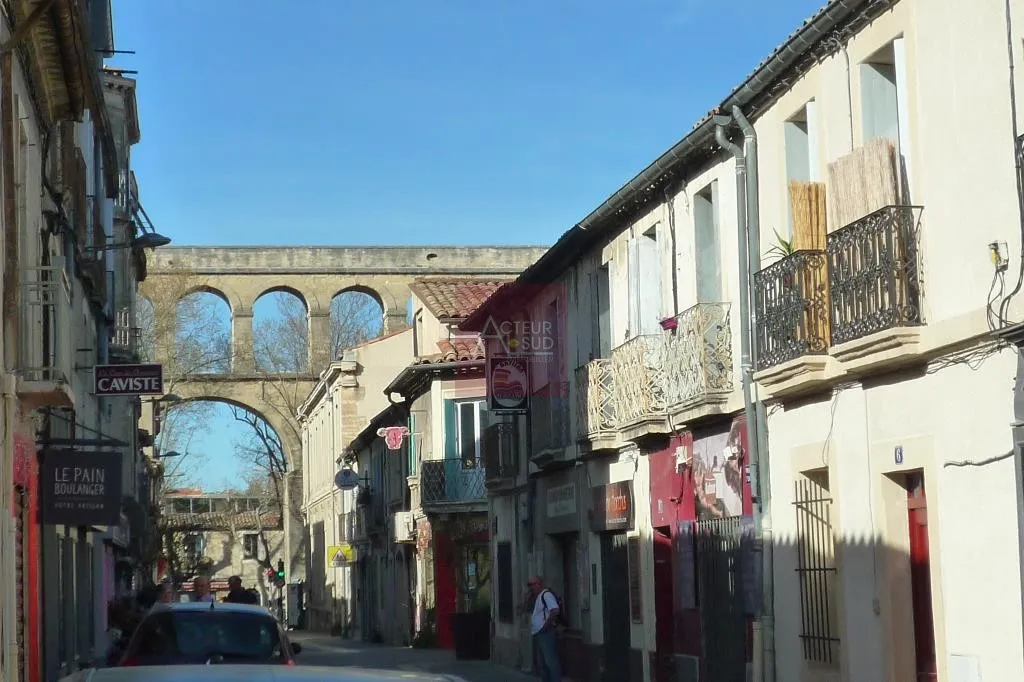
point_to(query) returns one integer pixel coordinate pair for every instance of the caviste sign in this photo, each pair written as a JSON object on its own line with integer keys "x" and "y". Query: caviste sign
{"x": 129, "y": 379}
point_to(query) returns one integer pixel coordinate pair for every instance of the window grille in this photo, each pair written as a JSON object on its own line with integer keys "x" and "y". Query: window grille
{"x": 817, "y": 571}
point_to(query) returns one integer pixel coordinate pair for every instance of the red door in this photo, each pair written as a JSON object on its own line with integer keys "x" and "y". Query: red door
{"x": 444, "y": 589}
{"x": 920, "y": 580}
{"x": 663, "y": 604}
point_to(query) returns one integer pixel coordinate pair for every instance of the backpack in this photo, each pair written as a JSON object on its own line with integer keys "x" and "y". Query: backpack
{"x": 560, "y": 620}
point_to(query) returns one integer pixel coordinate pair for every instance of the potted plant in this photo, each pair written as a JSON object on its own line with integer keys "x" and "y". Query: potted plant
{"x": 780, "y": 250}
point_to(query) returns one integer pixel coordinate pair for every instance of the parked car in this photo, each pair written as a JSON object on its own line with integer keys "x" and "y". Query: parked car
{"x": 208, "y": 633}
{"x": 250, "y": 673}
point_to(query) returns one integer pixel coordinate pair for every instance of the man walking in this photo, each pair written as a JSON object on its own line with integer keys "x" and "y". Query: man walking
{"x": 238, "y": 595}
{"x": 543, "y": 627}
{"x": 201, "y": 589}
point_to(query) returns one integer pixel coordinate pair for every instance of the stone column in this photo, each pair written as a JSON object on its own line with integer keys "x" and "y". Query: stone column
{"x": 319, "y": 341}
{"x": 243, "y": 356}
{"x": 395, "y": 319}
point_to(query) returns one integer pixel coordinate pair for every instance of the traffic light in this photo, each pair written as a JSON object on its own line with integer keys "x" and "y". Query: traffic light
{"x": 280, "y": 571}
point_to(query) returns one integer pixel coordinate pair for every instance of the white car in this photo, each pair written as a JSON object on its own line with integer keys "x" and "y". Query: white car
{"x": 250, "y": 673}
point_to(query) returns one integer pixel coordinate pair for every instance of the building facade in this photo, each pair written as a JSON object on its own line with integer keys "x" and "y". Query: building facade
{"x": 73, "y": 259}
{"x": 768, "y": 396}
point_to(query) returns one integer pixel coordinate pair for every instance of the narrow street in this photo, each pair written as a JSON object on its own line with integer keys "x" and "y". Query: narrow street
{"x": 333, "y": 651}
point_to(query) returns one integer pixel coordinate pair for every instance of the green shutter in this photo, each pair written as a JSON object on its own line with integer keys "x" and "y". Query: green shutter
{"x": 451, "y": 430}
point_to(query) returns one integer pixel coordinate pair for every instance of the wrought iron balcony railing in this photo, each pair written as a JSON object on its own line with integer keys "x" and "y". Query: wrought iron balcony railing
{"x": 873, "y": 274}
{"x": 595, "y": 398}
{"x": 791, "y": 308}
{"x": 126, "y": 337}
{"x": 639, "y": 378}
{"x": 500, "y": 450}
{"x": 698, "y": 355}
{"x": 47, "y": 326}
{"x": 451, "y": 481}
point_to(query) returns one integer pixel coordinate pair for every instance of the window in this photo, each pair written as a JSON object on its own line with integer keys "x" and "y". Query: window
{"x": 195, "y": 546}
{"x": 644, "y": 284}
{"x": 469, "y": 417}
{"x": 801, "y": 142}
{"x": 884, "y": 107}
{"x": 250, "y": 545}
{"x": 816, "y": 568}
{"x": 709, "y": 263}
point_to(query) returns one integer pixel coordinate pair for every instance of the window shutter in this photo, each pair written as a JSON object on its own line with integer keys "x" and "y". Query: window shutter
{"x": 451, "y": 425}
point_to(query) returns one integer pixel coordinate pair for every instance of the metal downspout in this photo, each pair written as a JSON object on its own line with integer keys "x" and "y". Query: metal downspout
{"x": 763, "y": 515}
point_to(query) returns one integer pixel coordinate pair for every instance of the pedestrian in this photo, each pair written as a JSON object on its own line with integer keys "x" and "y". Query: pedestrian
{"x": 237, "y": 594}
{"x": 544, "y": 628}
{"x": 201, "y": 589}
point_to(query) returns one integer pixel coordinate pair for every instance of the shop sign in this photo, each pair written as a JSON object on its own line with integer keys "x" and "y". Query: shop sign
{"x": 613, "y": 507}
{"x": 128, "y": 379}
{"x": 81, "y": 488}
{"x": 508, "y": 385}
{"x": 561, "y": 500}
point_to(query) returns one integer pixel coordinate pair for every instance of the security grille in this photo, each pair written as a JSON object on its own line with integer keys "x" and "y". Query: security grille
{"x": 816, "y": 570}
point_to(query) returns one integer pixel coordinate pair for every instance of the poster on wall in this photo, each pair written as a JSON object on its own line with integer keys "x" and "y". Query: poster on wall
{"x": 718, "y": 476}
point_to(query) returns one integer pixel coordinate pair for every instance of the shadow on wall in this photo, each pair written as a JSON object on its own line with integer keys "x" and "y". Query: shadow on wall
{"x": 853, "y": 604}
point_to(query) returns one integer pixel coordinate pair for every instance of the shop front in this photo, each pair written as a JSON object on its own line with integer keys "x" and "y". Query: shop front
{"x": 706, "y": 574}
{"x": 613, "y": 516}
{"x": 563, "y": 564}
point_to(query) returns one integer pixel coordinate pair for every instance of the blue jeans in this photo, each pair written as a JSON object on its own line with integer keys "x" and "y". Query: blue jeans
{"x": 546, "y": 642}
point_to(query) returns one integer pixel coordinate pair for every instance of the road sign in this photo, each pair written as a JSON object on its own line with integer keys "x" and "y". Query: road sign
{"x": 340, "y": 555}
{"x": 346, "y": 479}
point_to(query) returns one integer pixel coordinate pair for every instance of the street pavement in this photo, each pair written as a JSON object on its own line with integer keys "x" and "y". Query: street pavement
{"x": 320, "y": 649}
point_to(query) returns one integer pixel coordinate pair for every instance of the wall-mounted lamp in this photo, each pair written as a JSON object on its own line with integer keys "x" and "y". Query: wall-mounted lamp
{"x": 147, "y": 240}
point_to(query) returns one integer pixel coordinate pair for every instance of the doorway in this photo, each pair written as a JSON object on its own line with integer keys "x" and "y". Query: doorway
{"x": 664, "y": 612}
{"x": 920, "y": 579}
{"x": 614, "y": 578}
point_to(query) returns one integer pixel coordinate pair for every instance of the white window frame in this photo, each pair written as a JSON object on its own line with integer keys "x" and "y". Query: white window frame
{"x": 480, "y": 405}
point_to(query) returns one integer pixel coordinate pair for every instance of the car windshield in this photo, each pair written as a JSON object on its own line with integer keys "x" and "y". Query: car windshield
{"x": 191, "y": 636}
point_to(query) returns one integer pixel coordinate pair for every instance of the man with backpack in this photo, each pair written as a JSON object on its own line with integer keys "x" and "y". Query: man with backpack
{"x": 545, "y": 622}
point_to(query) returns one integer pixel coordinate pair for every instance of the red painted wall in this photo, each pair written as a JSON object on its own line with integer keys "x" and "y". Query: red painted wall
{"x": 444, "y": 588}
{"x": 26, "y": 475}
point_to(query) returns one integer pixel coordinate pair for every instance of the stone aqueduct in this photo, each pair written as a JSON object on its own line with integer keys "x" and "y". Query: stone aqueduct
{"x": 241, "y": 275}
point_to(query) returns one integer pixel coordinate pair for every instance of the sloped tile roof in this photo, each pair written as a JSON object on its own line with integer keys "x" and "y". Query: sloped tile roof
{"x": 462, "y": 349}
{"x": 454, "y": 298}
{"x": 248, "y": 520}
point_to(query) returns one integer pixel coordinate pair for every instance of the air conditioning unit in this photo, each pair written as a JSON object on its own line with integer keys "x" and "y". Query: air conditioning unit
{"x": 403, "y": 527}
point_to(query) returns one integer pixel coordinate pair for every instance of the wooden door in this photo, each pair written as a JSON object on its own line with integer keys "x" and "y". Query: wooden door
{"x": 920, "y": 579}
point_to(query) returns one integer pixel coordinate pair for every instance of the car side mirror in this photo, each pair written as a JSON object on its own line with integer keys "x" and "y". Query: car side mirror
{"x": 296, "y": 648}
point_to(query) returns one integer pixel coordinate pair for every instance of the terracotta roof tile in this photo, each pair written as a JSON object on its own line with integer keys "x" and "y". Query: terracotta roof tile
{"x": 462, "y": 349}
{"x": 248, "y": 520}
{"x": 454, "y": 298}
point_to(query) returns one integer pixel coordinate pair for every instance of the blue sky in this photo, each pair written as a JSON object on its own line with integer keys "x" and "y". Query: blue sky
{"x": 363, "y": 122}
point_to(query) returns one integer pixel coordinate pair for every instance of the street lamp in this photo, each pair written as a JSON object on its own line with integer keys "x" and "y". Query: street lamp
{"x": 146, "y": 240}
{"x": 168, "y": 455}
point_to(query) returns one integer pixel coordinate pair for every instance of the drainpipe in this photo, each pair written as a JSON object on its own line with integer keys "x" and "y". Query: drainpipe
{"x": 763, "y": 515}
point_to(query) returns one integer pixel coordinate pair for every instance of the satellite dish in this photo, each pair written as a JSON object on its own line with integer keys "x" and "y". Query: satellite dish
{"x": 346, "y": 479}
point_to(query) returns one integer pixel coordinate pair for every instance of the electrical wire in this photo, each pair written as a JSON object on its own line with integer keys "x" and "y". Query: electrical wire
{"x": 1018, "y": 165}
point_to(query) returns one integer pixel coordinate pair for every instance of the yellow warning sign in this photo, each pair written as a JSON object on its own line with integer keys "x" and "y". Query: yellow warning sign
{"x": 340, "y": 555}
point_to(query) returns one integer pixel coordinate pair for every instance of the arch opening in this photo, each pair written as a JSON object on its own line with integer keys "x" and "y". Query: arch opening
{"x": 201, "y": 333}
{"x": 281, "y": 333}
{"x": 357, "y": 315}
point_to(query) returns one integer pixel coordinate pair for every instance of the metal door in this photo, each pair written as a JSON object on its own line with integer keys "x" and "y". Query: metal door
{"x": 617, "y": 622}
{"x": 721, "y": 599}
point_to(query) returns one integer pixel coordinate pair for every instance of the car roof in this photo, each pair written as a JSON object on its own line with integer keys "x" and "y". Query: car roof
{"x": 248, "y": 673}
{"x": 216, "y": 606}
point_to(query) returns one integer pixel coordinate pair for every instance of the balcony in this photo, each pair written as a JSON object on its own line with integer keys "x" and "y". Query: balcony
{"x": 595, "y": 400}
{"x": 639, "y": 383}
{"x": 791, "y": 309}
{"x": 874, "y": 282}
{"x": 856, "y": 298}
{"x": 697, "y": 357}
{"x": 501, "y": 452}
{"x": 46, "y": 328}
{"x": 126, "y": 339}
{"x": 451, "y": 484}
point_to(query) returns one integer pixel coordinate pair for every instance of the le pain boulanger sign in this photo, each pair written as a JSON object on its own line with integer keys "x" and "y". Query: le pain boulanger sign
{"x": 81, "y": 488}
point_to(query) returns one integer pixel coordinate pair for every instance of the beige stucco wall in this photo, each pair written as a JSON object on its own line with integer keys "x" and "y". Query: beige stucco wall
{"x": 225, "y": 549}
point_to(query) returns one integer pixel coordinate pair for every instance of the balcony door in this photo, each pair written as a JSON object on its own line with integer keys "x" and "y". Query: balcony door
{"x": 706, "y": 243}
{"x": 644, "y": 284}
{"x": 464, "y": 471}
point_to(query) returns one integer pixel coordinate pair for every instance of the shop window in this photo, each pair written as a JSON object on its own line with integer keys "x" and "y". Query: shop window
{"x": 506, "y": 593}
{"x": 475, "y": 578}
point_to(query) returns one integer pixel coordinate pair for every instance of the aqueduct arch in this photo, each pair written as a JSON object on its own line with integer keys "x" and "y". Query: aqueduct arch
{"x": 241, "y": 275}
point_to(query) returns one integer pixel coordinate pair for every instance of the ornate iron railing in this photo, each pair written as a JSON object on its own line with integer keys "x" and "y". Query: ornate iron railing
{"x": 46, "y": 351}
{"x": 595, "y": 397}
{"x": 791, "y": 308}
{"x": 451, "y": 481}
{"x": 639, "y": 377}
{"x": 698, "y": 355}
{"x": 873, "y": 274}
{"x": 500, "y": 450}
